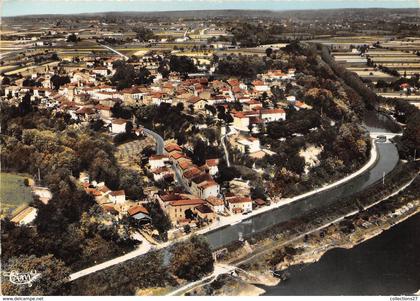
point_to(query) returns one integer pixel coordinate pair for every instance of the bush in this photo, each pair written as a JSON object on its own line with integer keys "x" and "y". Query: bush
{"x": 192, "y": 259}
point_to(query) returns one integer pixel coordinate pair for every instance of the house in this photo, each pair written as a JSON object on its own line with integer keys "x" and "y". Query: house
{"x": 25, "y": 216}
{"x": 43, "y": 193}
{"x": 269, "y": 115}
{"x": 104, "y": 111}
{"x": 205, "y": 212}
{"x": 274, "y": 75}
{"x": 203, "y": 177}
{"x": 162, "y": 173}
{"x": 132, "y": 95}
{"x": 248, "y": 145}
{"x": 165, "y": 198}
{"x": 170, "y": 147}
{"x": 260, "y": 86}
{"x": 241, "y": 121}
{"x": 110, "y": 209}
{"x": 84, "y": 177}
{"x": 239, "y": 204}
{"x": 117, "y": 197}
{"x": 175, "y": 156}
{"x": 184, "y": 164}
{"x": 139, "y": 213}
{"x": 183, "y": 209}
{"x": 259, "y": 203}
{"x": 101, "y": 71}
{"x": 190, "y": 173}
{"x": 118, "y": 126}
{"x": 252, "y": 104}
{"x": 208, "y": 188}
{"x": 216, "y": 204}
{"x": 291, "y": 98}
{"x": 156, "y": 161}
{"x": 197, "y": 103}
{"x": 86, "y": 113}
{"x": 212, "y": 166}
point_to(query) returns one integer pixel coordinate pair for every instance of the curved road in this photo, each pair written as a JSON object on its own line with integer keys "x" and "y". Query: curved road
{"x": 160, "y": 144}
{"x": 159, "y": 140}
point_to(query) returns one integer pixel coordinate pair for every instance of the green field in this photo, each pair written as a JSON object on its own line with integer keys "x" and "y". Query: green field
{"x": 13, "y": 192}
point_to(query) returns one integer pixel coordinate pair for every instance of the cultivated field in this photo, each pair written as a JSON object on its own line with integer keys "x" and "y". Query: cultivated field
{"x": 13, "y": 192}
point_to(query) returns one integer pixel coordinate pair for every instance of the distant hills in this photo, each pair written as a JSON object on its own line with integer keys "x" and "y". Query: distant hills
{"x": 234, "y": 13}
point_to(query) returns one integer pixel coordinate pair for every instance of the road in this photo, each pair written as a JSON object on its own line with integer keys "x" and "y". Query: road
{"x": 160, "y": 144}
{"x": 115, "y": 51}
{"x": 219, "y": 269}
{"x": 223, "y": 141}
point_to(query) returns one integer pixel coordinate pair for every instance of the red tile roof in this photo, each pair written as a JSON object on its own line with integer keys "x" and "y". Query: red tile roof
{"x": 117, "y": 193}
{"x": 272, "y": 111}
{"x": 190, "y": 202}
{"x": 236, "y": 200}
{"x": 137, "y": 209}
{"x": 214, "y": 201}
{"x": 171, "y": 147}
{"x": 119, "y": 121}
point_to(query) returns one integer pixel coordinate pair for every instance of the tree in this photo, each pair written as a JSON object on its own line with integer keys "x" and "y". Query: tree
{"x": 269, "y": 51}
{"x": 160, "y": 220}
{"x": 144, "y": 34}
{"x": 211, "y": 109}
{"x": 53, "y": 274}
{"x": 124, "y": 75}
{"x": 182, "y": 64}
{"x": 72, "y": 38}
{"x": 129, "y": 127}
{"x": 143, "y": 77}
{"x": 180, "y": 106}
{"x": 241, "y": 66}
{"x": 5, "y": 81}
{"x": 191, "y": 108}
{"x": 57, "y": 81}
{"x": 191, "y": 259}
{"x": 25, "y": 106}
{"x": 187, "y": 229}
{"x": 131, "y": 181}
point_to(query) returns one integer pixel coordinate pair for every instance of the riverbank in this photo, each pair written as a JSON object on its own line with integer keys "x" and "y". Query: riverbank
{"x": 345, "y": 234}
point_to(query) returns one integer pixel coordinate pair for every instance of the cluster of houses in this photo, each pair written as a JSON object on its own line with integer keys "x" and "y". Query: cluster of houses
{"x": 114, "y": 201}
{"x": 88, "y": 97}
{"x": 202, "y": 199}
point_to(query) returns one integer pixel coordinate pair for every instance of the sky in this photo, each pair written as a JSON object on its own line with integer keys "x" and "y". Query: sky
{"x": 33, "y": 7}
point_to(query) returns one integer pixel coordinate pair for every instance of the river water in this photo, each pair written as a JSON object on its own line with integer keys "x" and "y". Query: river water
{"x": 387, "y": 264}
{"x": 388, "y": 158}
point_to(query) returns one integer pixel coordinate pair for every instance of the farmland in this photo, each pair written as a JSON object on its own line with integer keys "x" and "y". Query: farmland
{"x": 13, "y": 192}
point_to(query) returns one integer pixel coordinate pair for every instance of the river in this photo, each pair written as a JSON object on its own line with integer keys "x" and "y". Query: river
{"x": 384, "y": 265}
{"x": 388, "y": 158}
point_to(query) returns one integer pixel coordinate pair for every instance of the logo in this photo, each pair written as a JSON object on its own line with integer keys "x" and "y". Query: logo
{"x": 22, "y": 278}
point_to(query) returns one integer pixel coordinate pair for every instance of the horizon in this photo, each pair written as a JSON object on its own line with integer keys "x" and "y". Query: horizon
{"x": 16, "y": 8}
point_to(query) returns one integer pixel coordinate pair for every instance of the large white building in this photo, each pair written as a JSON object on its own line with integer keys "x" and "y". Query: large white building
{"x": 239, "y": 204}
{"x": 269, "y": 115}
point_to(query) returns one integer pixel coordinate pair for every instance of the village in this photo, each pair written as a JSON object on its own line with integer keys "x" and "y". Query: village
{"x": 191, "y": 198}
